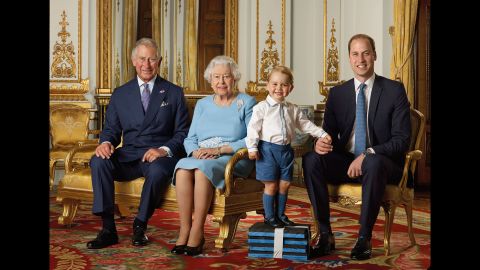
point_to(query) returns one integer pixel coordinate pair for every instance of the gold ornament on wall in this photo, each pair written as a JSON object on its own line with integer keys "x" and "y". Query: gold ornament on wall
{"x": 178, "y": 78}
{"x": 332, "y": 73}
{"x": 270, "y": 58}
{"x": 116, "y": 80}
{"x": 63, "y": 64}
{"x": 332, "y": 60}
{"x": 164, "y": 68}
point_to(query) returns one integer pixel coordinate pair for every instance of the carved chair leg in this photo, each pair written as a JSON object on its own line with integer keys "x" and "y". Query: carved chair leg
{"x": 52, "y": 172}
{"x": 409, "y": 212}
{"x": 389, "y": 209}
{"x": 70, "y": 207}
{"x": 228, "y": 227}
{"x": 315, "y": 229}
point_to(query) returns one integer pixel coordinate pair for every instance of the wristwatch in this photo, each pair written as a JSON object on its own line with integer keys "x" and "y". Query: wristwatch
{"x": 368, "y": 151}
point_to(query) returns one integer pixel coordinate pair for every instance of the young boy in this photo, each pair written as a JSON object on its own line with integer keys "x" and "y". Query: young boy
{"x": 269, "y": 133}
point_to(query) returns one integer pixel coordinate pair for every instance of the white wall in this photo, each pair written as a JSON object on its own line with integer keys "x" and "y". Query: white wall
{"x": 371, "y": 17}
{"x": 307, "y": 51}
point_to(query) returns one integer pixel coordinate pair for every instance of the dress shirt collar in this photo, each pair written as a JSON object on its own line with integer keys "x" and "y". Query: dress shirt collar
{"x": 150, "y": 83}
{"x": 368, "y": 82}
{"x": 272, "y": 102}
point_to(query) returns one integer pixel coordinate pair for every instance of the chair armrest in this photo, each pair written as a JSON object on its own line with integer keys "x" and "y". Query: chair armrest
{"x": 88, "y": 142}
{"x": 410, "y": 164}
{"x": 242, "y": 153}
{"x": 94, "y": 131}
{"x": 71, "y": 154}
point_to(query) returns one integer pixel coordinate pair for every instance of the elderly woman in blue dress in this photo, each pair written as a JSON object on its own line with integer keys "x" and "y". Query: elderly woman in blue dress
{"x": 218, "y": 130}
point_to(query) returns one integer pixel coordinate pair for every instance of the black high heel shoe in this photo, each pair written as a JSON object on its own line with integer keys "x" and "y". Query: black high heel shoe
{"x": 178, "y": 250}
{"x": 193, "y": 251}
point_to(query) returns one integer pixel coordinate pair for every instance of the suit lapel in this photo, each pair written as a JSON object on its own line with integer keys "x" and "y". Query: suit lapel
{"x": 374, "y": 98}
{"x": 351, "y": 105}
{"x": 156, "y": 99}
{"x": 137, "y": 106}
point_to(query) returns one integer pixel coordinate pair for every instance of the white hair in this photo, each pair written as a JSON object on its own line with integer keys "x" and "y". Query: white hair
{"x": 225, "y": 61}
{"x": 147, "y": 42}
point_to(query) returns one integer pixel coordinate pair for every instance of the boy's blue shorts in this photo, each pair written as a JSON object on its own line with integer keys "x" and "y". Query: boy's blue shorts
{"x": 275, "y": 163}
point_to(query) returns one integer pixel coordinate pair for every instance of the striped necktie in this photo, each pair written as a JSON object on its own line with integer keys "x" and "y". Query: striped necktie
{"x": 360, "y": 123}
{"x": 145, "y": 96}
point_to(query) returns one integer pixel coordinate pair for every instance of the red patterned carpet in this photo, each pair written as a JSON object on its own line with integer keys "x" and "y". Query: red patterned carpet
{"x": 68, "y": 250}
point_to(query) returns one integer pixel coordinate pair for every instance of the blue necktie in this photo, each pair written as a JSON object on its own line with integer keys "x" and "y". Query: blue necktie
{"x": 360, "y": 123}
{"x": 145, "y": 96}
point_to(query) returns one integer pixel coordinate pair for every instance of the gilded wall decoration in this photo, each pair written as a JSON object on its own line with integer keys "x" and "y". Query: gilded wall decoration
{"x": 333, "y": 74}
{"x": 270, "y": 56}
{"x": 63, "y": 64}
{"x": 164, "y": 68}
{"x": 116, "y": 80}
{"x": 178, "y": 78}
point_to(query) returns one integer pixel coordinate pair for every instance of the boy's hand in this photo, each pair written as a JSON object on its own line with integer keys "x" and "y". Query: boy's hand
{"x": 254, "y": 155}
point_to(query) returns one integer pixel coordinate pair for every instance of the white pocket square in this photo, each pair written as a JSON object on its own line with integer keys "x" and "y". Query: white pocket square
{"x": 163, "y": 104}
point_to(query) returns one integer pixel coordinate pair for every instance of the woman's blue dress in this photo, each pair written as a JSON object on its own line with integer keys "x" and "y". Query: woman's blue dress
{"x": 214, "y": 126}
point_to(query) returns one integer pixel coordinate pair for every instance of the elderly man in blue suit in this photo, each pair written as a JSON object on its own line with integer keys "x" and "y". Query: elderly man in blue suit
{"x": 368, "y": 118}
{"x": 151, "y": 116}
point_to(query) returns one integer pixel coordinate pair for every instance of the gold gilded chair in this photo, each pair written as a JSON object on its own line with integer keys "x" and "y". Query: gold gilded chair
{"x": 68, "y": 126}
{"x": 229, "y": 205}
{"x": 395, "y": 195}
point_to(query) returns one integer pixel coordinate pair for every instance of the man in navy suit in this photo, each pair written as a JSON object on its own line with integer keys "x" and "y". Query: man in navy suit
{"x": 150, "y": 115}
{"x": 380, "y": 159}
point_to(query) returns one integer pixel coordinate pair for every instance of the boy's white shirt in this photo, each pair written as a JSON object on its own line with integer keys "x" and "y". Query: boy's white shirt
{"x": 266, "y": 124}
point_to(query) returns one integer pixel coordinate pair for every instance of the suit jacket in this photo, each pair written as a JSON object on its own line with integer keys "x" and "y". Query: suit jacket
{"x": 165, "y": 122}
{"x": 388, "y": 117}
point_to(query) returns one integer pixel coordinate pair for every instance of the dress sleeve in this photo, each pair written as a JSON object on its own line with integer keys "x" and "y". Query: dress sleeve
{"x": 247, "y": 110}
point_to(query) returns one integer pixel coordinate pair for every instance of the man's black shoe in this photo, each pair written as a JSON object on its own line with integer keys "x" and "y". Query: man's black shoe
{"x": 323, "y": 245}
{"x": 362, "y": 249}
{"x": 104, "y": 238}
{"x": 273, "y": 222}
{"x": 139, "y": 238}
{"x": 284, "y": 219}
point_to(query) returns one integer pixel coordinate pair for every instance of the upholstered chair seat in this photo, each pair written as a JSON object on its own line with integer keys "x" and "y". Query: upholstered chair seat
{"x": 68, "y": 127}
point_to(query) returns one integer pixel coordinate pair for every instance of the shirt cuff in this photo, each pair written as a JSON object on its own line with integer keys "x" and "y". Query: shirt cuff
{"x": 253, "y": 149}
{"x": 169, "y": 152}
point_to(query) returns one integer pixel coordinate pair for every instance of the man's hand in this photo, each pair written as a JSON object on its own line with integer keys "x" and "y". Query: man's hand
{"x": 254, "y": 155}
{"x": 104, "y": 150}
{"x": 324, "y": 145}
{"x": 153, "y": 153}
{"x": 355, "y": 168}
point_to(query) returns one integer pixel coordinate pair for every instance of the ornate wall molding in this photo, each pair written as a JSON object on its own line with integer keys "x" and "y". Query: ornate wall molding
{"x": 104, "y": 46}
{"x": 64, "y": 63}
{"x": 231, "y": 28}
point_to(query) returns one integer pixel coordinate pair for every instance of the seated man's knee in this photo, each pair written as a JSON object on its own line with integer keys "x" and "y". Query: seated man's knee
{"x": 311, "y": 160}
{"x": 98, "y": 162}
{"x": 157, "y": 174}
{"x": 373, "y": 163}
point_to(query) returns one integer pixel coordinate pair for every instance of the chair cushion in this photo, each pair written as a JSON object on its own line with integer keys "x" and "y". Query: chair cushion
{"x": 60, "y": 153}
{"x": 81, "y": 179}
{"x": 354, "y": 192}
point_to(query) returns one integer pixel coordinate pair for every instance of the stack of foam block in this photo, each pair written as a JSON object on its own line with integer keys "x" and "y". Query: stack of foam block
{"x": 290, "y": 242}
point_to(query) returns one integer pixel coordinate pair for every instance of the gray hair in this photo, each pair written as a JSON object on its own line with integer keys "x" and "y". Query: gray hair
{"x": 222, "y": 60}
{"x": 147, "y": 42}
